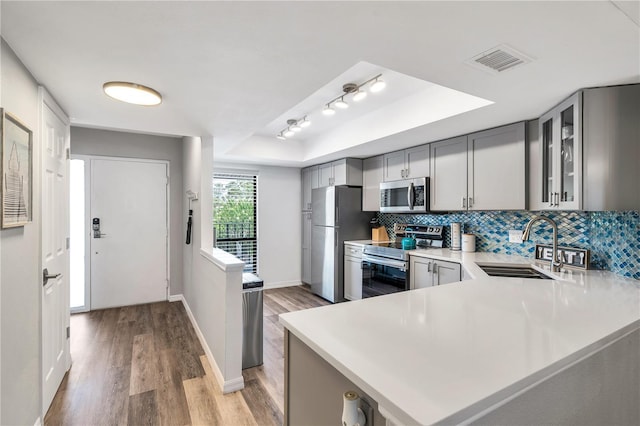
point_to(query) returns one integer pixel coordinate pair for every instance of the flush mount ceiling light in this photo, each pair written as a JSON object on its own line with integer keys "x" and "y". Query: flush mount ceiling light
{"x": 356, "y": 92}
{"x": 132, "y": 93}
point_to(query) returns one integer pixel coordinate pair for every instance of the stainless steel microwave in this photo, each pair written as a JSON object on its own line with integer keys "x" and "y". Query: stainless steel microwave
{"x": 405, "y": 196}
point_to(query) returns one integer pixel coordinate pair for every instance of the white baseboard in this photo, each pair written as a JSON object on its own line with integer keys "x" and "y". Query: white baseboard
{"x": 227, "y": 386}
{"x": 281, "y": 284}
{"x": 177, "y": 298}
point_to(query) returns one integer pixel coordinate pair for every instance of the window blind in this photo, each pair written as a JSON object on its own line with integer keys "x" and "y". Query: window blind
{"x": 234, "y": 216}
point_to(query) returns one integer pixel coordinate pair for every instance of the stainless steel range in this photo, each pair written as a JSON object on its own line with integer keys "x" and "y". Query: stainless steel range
{"x": 385, "y": 265}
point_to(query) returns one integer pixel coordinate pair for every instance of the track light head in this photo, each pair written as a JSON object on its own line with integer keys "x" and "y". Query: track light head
{"x": 328, "y": 110}
{"x": 340, "y": 103}
{"x": 377, "y": 85}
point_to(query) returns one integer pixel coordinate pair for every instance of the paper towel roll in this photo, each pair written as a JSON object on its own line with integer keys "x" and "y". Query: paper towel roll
{"x": 456, "y": 229}
{"x": 468, "y": 242}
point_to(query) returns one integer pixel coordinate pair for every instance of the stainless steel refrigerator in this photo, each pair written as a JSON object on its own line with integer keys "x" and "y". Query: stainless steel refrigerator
{"x": 337, "y": 217}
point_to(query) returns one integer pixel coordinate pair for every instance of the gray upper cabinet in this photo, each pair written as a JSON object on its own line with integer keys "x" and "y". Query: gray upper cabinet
{"x": 406, "y": 164}
{"x": 611, "y": 148}
{"x": 310, "y": 181}
{"x": 449, "y": 174}
{"x": 586, "y": 152}
{"x": 372, "y": 175}
{"x": 480, "y": 171}
{"x": 347, "y": 171}
{"x": 497, "y": 169}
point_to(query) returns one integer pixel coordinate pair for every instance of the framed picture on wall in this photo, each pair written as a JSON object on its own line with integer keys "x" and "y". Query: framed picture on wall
{"x": 17, "y": 171}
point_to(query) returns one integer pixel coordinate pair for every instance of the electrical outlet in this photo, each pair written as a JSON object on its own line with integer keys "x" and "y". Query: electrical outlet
{"x": 515, "y": 235}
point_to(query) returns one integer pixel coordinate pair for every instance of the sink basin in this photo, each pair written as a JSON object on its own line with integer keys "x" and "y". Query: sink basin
{"x": 512, "y": 271}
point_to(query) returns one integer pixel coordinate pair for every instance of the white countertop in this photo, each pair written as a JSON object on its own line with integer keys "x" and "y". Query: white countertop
{"x": 450, "y": 352}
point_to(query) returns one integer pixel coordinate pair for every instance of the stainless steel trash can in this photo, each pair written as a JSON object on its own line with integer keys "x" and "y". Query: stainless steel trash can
{"x": 252, "y": 287}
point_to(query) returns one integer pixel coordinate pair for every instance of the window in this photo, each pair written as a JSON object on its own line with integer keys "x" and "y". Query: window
{"x": 234, "y": 216}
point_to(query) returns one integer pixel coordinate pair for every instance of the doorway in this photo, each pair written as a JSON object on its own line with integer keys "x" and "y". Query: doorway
{"x": 119, "y": 227}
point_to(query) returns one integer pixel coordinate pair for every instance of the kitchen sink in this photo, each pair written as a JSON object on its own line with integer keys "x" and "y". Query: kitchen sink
{"x": 512, "y": 271}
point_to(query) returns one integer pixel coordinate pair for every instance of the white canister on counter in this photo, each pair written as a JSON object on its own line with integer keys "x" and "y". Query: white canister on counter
{"x": 456, "y": 231}
{"x": 468, "y": 242}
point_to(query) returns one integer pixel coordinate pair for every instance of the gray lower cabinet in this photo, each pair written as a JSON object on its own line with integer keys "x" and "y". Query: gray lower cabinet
{"x": 352, "y": 271}
{"x": 313, "y": 388}
{"x": 427, "y": 272}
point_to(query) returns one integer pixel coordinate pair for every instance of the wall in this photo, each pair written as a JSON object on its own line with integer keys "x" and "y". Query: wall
{"x": 612, "y": 237}
{"x": 20, "y": 258}
{"x": 212, "y": 288}
{"x": 279, "y": 222}
{"x": 131, "y": 145}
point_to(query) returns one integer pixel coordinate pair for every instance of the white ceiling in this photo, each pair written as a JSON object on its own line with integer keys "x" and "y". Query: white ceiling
{"x": 233, "y": 70}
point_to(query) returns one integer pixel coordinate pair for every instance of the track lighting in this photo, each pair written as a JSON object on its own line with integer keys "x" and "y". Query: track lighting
{"x": 356, "y": 92}
{"x": 293, "y": 125}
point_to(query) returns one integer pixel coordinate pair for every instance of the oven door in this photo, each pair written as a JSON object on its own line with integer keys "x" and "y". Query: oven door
{"x": 383, "y": 276}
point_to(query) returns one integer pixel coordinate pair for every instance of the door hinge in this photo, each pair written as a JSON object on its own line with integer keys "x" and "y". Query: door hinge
{"x": 68, "y": 239}
{"x": 68, "y": 332}
{"x": 68, "y": 153}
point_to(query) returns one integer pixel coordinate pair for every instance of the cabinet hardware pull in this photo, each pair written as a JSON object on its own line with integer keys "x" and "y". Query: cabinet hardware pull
{"x": 464, "y": 202}
{"x": 557, "y": 199}
{"x": 429, "y": 267}
{"x": 470, "y": 202}
{"x": 550, "y": 199}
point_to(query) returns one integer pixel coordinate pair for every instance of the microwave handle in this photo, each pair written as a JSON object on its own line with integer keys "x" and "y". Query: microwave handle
{"x": 410, "y": 195}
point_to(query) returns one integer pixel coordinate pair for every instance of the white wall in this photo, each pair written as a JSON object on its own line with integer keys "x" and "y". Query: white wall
{"x": 212, "y": 290}
{"x": 132, "y": 145}
{"x": 279, "y": 222}
{"x": 20, "y": 275}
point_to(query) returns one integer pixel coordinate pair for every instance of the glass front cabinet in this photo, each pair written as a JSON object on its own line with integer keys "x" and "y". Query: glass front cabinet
{"x": 561, "y": 156}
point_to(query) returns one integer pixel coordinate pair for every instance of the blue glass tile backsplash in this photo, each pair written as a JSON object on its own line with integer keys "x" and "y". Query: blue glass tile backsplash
{"x": 612, "y": 237}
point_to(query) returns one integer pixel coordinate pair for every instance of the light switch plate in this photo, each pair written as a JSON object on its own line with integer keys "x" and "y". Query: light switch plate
{"x": 515, "y": 235}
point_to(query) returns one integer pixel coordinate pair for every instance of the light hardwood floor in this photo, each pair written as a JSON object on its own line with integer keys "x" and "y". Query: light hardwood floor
{"x": 144, "y": 365}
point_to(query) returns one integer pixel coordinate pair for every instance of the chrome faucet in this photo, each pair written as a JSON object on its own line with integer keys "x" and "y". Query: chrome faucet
{"x": 556, "y": 262}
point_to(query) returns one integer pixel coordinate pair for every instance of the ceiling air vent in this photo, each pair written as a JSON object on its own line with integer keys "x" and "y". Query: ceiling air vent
{"x": 498, "y": 59}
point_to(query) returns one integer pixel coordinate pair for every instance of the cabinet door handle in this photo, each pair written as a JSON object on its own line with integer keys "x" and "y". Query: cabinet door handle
{"x": 429, "y": 267}
{"x": 550, "y": 199}
{"x": 406, "y": 173}
{"x": 557, "y": 195}
{"x": 470, "y": 202}
{"x": 464, "y": 202}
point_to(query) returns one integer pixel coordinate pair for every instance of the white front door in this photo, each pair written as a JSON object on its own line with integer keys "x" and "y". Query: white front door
{"x": 55, "y": 250}
{"x": 129, "y": 251}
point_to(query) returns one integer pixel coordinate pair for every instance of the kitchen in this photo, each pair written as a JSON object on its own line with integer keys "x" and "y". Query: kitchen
{"x": 523, "y": 93}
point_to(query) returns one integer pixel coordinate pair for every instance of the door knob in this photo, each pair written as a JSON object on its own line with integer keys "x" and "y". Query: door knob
{"x": 46, "y": 276}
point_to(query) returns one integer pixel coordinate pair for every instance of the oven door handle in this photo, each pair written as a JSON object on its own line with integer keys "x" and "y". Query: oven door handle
{"x": 384, "y": 262}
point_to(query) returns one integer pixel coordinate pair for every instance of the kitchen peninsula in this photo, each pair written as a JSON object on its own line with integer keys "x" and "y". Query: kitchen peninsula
{"x": 488, "y": 350}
